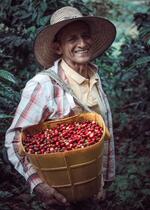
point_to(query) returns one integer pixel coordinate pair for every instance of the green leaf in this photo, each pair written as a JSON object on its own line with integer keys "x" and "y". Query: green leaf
{"x": 2, "y": 116}
{"x": 5, "y": 75}
{"x": 144, "y": 31}
{"x": 43, "y": 6}
{"x": 44, "y": 20}
{"x": 5, "y": 194}
{"x": 140, "y": 61}
{"x": 31, "y": 29}
{"x": 122, "y": 182}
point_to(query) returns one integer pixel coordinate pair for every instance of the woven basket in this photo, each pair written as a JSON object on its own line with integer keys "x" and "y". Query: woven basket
{"x": 76, "y": 173}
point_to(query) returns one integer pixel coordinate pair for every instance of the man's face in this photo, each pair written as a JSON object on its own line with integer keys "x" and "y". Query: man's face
{"x": 75, "y": 43}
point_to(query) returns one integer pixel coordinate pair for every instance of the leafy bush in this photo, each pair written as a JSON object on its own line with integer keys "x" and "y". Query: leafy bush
{"x": 8, "y": 93}
{"x": 128, "y": 90}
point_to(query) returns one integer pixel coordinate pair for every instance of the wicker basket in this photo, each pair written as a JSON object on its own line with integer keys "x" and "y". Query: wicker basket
{"x": 76, "y": 173}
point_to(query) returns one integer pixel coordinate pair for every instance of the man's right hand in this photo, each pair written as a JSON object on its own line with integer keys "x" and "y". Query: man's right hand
{"x": 49, "y": 195}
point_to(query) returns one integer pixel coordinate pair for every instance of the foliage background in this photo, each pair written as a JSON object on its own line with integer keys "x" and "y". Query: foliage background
{"x": 125, "y": 74}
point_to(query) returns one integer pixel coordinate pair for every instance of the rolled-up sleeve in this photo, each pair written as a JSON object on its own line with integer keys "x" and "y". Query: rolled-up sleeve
{"x": 31, "y": 110}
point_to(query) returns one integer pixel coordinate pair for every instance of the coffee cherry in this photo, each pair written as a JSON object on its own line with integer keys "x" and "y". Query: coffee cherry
{"x": 63, "y": 137}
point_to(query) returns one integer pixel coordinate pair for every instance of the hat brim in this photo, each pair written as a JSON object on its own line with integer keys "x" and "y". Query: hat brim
{"x": 103, "y": 34}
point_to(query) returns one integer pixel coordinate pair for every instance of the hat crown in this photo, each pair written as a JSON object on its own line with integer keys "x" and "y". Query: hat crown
{"x": 65, "y": 13}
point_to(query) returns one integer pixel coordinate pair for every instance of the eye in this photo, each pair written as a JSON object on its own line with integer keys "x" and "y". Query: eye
{"x": 86, "y": 36}
{"x": 71, "y": 38}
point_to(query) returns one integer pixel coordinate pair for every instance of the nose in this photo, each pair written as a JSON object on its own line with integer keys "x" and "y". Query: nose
{"x": 81, "y": 42}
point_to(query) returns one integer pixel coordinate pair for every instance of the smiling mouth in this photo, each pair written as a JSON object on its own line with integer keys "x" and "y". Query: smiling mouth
{"x": 82, "y": 51}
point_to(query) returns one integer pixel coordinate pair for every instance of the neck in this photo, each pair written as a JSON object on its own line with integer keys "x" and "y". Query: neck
{"x": 82, "y": 69}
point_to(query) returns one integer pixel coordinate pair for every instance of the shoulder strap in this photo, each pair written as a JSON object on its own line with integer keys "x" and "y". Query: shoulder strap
{"x": 64, "y": 86}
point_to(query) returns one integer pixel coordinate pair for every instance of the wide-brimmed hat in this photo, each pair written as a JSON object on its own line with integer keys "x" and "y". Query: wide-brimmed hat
{"x": 103, "y": 34}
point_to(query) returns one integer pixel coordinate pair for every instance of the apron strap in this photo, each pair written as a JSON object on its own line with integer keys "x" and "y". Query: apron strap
{"x": 65, "y": 87}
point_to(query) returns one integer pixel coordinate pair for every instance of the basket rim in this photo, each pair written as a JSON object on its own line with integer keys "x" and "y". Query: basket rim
{"x": 68, "y": 151}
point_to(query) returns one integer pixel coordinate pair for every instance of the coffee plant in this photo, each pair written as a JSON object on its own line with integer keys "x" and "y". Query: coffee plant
{"x": 128, "y": 89}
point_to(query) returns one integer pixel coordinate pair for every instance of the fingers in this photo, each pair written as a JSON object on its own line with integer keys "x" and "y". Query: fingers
{"x": 100, "y": 196}
{"x": 49, "y": 195}
{"x": 56, "y": 199}
{"x": 52, "y": 194}
{"x": 59, "y": 197}
{"x": 51, "y": 201}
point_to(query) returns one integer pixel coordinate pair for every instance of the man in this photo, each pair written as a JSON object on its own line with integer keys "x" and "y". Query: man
{"x": 66, "y": 46}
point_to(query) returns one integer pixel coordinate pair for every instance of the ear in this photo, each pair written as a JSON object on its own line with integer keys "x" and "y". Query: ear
{"x": 57, "y": 48}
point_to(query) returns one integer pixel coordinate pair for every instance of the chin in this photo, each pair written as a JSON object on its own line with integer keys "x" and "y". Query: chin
{"x": 83, "y": 60}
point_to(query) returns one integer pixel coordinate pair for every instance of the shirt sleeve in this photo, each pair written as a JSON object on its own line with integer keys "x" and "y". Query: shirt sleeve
{"x": 109, "y": 167}
{"x": 29, "y": 111}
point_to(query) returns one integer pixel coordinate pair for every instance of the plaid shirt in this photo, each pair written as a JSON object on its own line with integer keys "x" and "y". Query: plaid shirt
{"x": 43, "y": 99}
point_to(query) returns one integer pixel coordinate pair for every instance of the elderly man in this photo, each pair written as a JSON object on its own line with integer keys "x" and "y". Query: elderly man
{"x": 66, "y": 47}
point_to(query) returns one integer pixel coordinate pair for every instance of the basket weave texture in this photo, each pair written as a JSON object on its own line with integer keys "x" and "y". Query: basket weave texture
{"x": 76, "y": 173}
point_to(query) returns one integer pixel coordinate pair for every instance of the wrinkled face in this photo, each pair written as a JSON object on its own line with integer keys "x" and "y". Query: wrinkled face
{"x": 74, "y": 43}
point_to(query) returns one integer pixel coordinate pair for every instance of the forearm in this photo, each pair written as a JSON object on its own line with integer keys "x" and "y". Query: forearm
{"x": 20, "y": 163}
{"x": 28, "y": 113}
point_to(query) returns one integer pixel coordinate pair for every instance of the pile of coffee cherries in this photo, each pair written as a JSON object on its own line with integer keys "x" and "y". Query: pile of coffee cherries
{"x": 63, "y": 137}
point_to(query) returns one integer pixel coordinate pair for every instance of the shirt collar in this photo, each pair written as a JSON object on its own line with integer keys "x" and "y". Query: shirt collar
{"x": 76, "y": 76}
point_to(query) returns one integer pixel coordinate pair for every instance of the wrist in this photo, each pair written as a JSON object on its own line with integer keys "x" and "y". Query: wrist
{"x": 33, "y": 182}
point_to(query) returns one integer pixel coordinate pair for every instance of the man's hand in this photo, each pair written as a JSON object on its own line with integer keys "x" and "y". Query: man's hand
{"x": 49, "y": 195}
{"x": 101, "y": 195}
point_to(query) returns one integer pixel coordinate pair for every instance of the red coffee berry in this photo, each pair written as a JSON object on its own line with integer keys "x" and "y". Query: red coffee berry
{"x": 63, "y": 137}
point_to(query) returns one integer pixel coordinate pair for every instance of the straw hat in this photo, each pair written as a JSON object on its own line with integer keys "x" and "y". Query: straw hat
{"x": 102, "y": 30}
